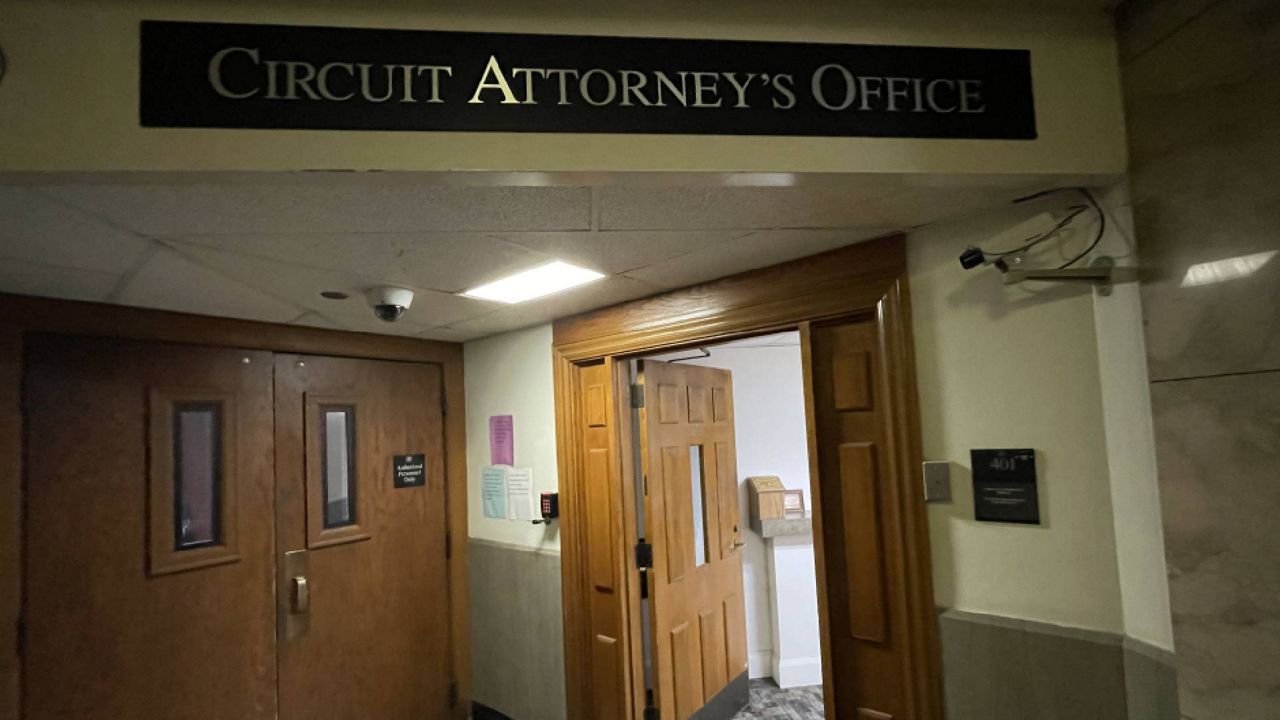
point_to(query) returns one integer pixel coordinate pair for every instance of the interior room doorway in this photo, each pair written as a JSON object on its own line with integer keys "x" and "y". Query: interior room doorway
{"x": 750, "y": 591}
{"x": 876, "y": 612}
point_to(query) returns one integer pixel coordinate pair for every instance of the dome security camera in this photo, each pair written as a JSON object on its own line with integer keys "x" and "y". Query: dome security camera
{"x": 389, "y": 303}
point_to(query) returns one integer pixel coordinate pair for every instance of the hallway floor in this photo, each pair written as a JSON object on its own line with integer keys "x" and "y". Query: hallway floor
{"x": 769, "y": 702}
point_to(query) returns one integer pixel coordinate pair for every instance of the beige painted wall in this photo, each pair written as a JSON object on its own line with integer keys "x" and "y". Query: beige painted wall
{"x": 1014, "y": 367}
{"x": 69, "y": 100}
{"x": 511, "y": 374}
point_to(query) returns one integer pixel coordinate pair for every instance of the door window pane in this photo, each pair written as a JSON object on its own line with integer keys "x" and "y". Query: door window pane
{"x": 197, "y": 471}
{"x": 700, "y": 531}
{"x": 339, "y": 442}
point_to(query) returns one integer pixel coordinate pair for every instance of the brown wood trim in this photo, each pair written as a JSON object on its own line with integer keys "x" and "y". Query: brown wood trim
{"x": 455, "y": 439}
{"x": 71, "y": 317}
{"x": 866, "y": 278}
{"x": 574, "y": 584}
{"x": 898, "y": 346}
{"x": 827, "y": 285}
{"x": 21, "y": 314}
{"x": 815, "y": 504}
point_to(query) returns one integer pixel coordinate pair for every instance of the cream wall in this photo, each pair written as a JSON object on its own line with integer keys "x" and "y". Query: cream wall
{"x": 1131, "y": 448}
{"x": 1065, "y": 369}
{"x": 511, "y": 374}
{"x": 1014, "y": 367}
{"x": 70, "y": 98}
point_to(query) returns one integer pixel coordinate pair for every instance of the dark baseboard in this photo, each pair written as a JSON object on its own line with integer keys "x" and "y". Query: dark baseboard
{"x": 484, "y": 712}
{"x": 728, "y": 702}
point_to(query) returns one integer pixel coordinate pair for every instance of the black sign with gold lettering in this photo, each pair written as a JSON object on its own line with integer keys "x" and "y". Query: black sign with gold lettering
{"x": 216, "y": 75}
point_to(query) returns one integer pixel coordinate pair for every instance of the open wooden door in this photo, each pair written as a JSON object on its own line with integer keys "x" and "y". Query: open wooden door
{"x": 698, "y": 627}
{"x": 867, "y": 658}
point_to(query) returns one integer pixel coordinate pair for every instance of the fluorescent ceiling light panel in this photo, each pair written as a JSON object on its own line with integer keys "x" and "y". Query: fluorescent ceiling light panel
{"x": 535, "y": 283}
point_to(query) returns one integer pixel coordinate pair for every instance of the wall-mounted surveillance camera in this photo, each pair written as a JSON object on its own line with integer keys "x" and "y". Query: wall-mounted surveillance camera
{"x": 389, "y": 303}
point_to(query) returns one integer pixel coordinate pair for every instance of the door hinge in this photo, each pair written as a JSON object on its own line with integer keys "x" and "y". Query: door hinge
{"x": 637, "y": 396}
{"x": 644, "y": 555}
{"x": 453, "y": 693}
{"x": 644, "y": 585}
{"x": 448, "y": 546}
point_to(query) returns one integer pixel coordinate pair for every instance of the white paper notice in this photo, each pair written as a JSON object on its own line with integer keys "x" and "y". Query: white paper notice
{"x": 520, "y": 494}
{"x": 494, "y": 489}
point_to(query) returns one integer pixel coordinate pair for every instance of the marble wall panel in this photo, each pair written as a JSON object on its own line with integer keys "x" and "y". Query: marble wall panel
{"x": 1203, "y": 95}
{"x": 1202, "y": 103}
{"x": 1219, "y": 457}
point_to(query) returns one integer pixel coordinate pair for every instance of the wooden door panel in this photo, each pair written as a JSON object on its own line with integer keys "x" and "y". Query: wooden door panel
{"x": 735, "y": 642}
{"x": 714, "y": 665}
{"x": 700, "y": 410}
{"x": 110, "y": 634}
{"x": 698, "y": 627}
{"x": 677, "y": 489}
{"x": 378, "y": 644}
{"x": 730, "y": 529}
{"x": 600, "y": 522}
{"x": 686, "y": 670}
{"x": 860, "y": 515}
{"x": 606, "y": 669}
{"x": 601, "y": 508}
{"x": 865, "y": 576}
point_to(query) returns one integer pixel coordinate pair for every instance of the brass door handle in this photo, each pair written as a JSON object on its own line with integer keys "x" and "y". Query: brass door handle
{"x": 300, "y": 595}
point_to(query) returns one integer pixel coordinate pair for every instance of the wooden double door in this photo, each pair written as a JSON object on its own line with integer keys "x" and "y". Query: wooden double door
{"x": 227, "y": 534}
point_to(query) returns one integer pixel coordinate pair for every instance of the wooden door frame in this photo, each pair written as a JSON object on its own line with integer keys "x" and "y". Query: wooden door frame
{"x": 21, "y": 315}
{"x": 867, "y": 279}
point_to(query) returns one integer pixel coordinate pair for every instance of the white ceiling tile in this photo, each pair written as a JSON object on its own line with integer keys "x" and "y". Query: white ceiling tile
{"x": 301, "y": 287}
{"x": 314, "y": 319}
{"x": 21, "y": 277}
{"x": 326, "y": 206}
{"x": 40, "y": 230}
{"x": 367, "y": 323}
{"x": 450, "y": 334}
{"x": 609, "y": 291}
{"x": 760, "y": 249}
{"x": 364, "y": 323}
{"x": 617, "y": 252}
{"x": 449, "y": 262}
{"x": 169, "y": 281}
{"x": 265, "y": 248}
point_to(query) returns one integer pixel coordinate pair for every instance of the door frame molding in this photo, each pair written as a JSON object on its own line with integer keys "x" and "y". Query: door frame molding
{"x": 869, "y": 279}
{"x": 21, "y": 314}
